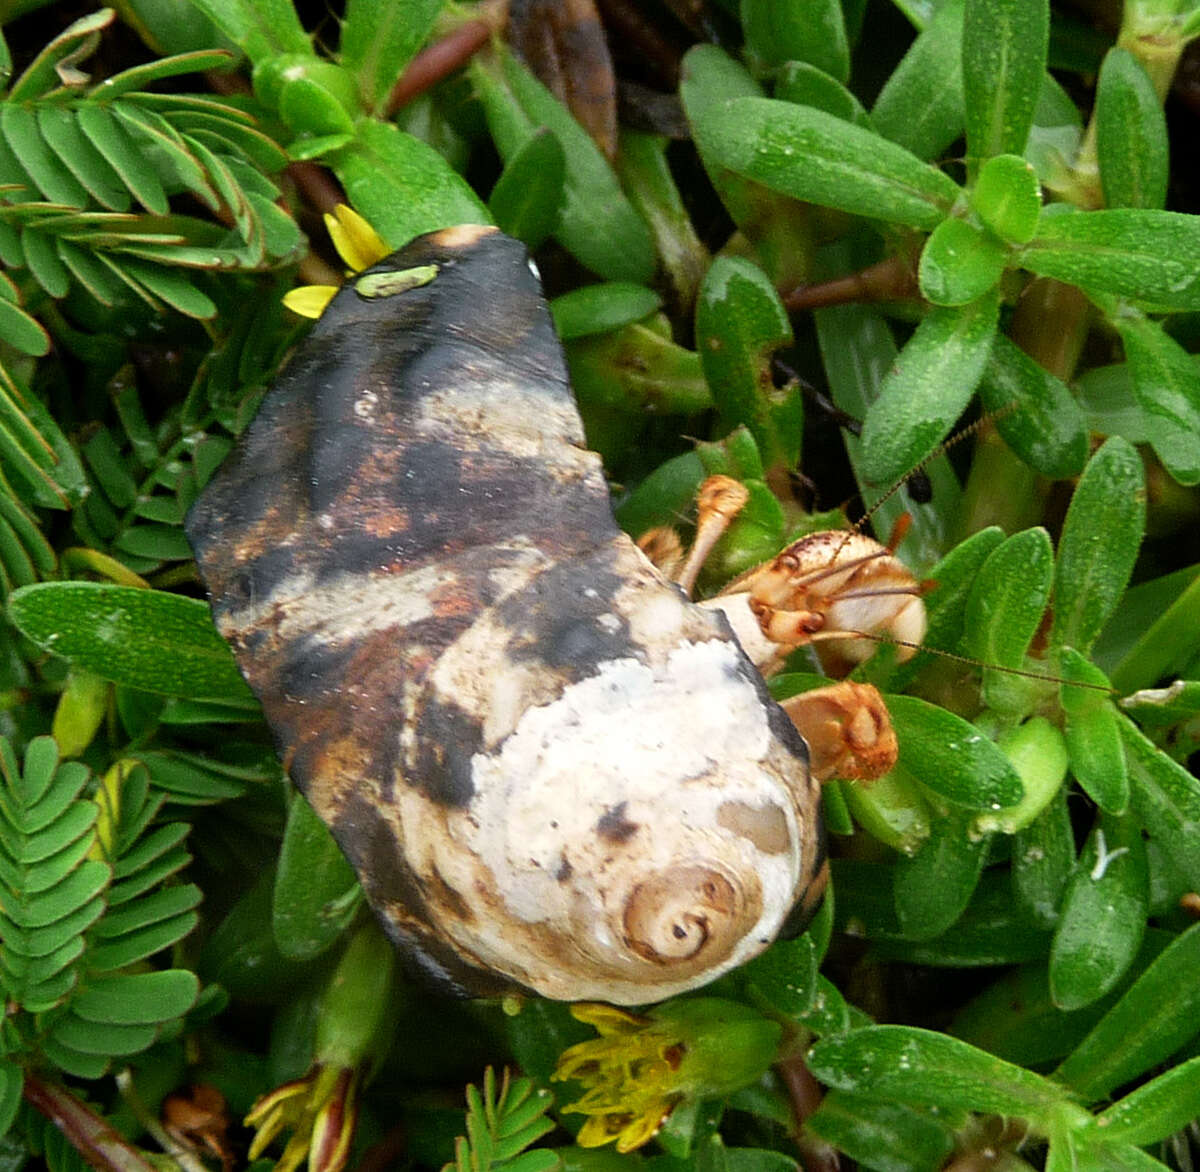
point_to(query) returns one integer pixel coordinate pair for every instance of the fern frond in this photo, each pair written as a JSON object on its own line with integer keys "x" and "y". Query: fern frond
{"x": 78, "y": 905}
{"x": 501, "y": 1123}
{"x": 76, "y": 159}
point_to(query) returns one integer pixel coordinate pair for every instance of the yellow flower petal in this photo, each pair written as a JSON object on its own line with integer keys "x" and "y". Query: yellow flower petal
{"x": 356, "y": 241}
{"x": 644, "y": 1128}
{"x": 607, "y": 1019}
{"x": 310, "y": 300}
{"x": 601, "y": 1129}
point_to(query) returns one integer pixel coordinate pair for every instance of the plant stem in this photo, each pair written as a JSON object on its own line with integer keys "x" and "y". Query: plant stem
{"x": 89, "y": 1133}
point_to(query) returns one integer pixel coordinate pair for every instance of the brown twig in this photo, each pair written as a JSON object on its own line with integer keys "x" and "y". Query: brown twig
{"x": 438, "y": 61}
{"x": 89, "y": 1133}
{"x": 805, "y": 1094}
{"x": 892, "y": 279}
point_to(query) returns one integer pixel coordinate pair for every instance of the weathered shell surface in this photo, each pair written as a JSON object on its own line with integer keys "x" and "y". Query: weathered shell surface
{"x": 548, "y": 768}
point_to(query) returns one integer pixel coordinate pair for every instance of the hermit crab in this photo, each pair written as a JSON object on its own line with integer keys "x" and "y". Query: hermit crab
{"x": 549, "y": 768}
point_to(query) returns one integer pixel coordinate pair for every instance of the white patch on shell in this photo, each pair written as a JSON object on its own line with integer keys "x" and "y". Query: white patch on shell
{"x": 516, "y": 417}
{"x": 666, "y": 748}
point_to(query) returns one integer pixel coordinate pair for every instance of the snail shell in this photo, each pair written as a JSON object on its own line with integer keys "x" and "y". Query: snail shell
{"x": 548, "y": 768}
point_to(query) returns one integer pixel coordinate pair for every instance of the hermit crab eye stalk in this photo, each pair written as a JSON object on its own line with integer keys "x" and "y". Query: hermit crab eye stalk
{"x": 549, "y": 769}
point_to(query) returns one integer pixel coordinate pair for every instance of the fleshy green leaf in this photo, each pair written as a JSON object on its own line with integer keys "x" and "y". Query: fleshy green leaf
{"x": 145, "y": 638}
{"x": 401, "y": 186}
{"x": 1004, "y": 612}
{"x": 596, "y": 309}
{"x": 1103, "y": 915}
{"x": 1092, "y": 733}
{"x": 959, "y": 263}
{"x": 881, "y": 1134}
{"x": 934, "y": 886}
{"x": 816, "y": 157}
{"x": 951, "y": 757}
{"x": 1166, "y": 799}
{"x": 1007, "y": 199}
{"x": 1035, "y": 412}
{"x": 1164, "y": 1105}
{"x": 928, "y": 388}
{"x": 1003, "y": 60}
{"x": 1152, "y": 1020}
{"x": 379, "y": 40}
{"x": 918, "y": 1066}
{"x": 740, "y": 324}
{"x": 528, "y": 196}
{"x": 1131, "y": 134}
{"x": 1132, "y": 252}
{"x": 921, "y": 104}
{"x": 316, "y": 893}
{"x": 1166, "y": 385}
{"x": 813, "y": 31}
{"x": 1099, "y": 544}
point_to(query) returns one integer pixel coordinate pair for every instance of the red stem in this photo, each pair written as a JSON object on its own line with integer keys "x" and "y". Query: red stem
{"x": 91, "y": 1135}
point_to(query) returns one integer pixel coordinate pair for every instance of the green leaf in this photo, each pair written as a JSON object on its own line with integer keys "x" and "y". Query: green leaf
{"x": 813, "y": 31}
{"x": 528, "y": 196}
{"x": 144, "y": 638}
{"x": 260, "y": 28}
{"x": 402, "y": 186}
{"x": 24, "y": 333}
{"x": 934, "y": 886}
{"x": 53, "y": 177}
{"x": 596, "y": 309}
{"x": 917, "y": 1066}
{"x": 959, "y": 263}
{"x": 1099, "y": 544}
{"x": 1150, "y": 1022}
{"x": 1004, "y": 47}
{"x": 1131, "y": 134}
{"x": 316, "y": 893}
{"x": 1004, "y": 611}
{"x": 1035, "y": 412}
{"x": 76, "y": 42}
{"x": 883, "y": 1135}
{"x": 1038, "y": 753}
{"x": 890, "y": 808}
{"x": 1166, "y": 385}
{"x": 928, "y": 388}
{"x": 1168, "y": 636}
{"x": 740, "y": 324}
{"x": 1006, "y": 197}
{"x": 1154, "y": 1111}
{"x": 952, "y": 758}
{"x": 1043, "y": 856}
{"x": 784, "y": 977}
{"x": 1132, "y": 252}
{"x": 806, "y": 85}
{"x": 44, "y": 262}
{"x": 816, "y": 157}
{"x": 379, "y": 38}
{"x": 1166, "y": 800}
{"x": 134, "y": 999}
{"x": 921, "y": 104}
{"x": 138, "y": 77}
{"x": 12, "y": 1078}
{"x": 90, "y": 1037}
{"x": 596, "y": 223}
{"x": 1092, "y": 733}
{"x": 1103, "y": 915}
{"x": 110, "y": 138}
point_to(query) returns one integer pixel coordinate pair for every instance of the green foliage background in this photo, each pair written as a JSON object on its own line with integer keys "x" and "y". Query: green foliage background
{"x": 1009, "y": 897}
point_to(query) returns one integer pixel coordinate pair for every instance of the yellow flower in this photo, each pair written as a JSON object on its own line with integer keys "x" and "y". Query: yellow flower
{"x": 358, "y": 244}
{"x": 641, "y": 1068}
{"x": 319, "y": 1109}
